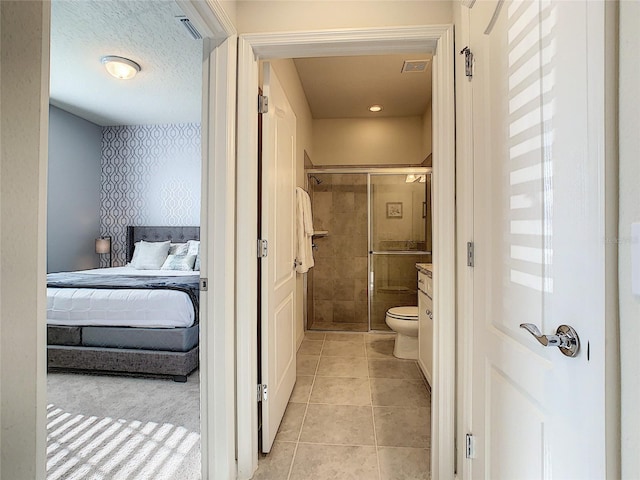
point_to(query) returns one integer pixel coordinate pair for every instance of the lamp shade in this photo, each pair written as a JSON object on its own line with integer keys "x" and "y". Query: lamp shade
{"x": 103, "y": 245}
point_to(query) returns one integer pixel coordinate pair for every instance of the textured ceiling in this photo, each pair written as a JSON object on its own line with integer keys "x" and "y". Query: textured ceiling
{"x": 344, "y": 87}
{"x": 167, "y": 89}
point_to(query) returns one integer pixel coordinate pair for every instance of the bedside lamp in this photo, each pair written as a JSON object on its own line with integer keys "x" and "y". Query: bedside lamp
{"x": 103, "y": 246}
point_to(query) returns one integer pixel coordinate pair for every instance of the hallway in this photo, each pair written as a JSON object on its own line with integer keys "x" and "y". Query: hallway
{"x": 356, "y": 412}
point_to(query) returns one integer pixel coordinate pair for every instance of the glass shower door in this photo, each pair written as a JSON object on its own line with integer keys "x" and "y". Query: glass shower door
{"x": 400, "y": 237}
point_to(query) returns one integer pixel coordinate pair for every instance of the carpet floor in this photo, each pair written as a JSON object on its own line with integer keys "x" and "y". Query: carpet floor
{"x": 108, "y": 427}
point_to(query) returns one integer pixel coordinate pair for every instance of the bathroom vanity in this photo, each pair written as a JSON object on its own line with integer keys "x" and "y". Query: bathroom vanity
{"x": 425, "y": 319}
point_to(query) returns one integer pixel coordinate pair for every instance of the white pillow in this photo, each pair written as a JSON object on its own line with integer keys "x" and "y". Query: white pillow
{"x": 179, "y": 262}
{"x": 150, "y": 255}
{"x": 194, "y": 249}
{"x": 179, "y": 249}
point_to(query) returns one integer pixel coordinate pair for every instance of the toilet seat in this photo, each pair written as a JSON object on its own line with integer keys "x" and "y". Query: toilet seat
{"x": 404, "y": 313}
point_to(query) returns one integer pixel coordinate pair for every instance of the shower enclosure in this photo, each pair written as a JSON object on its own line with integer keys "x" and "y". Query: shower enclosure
{"x": 372, "y": 227}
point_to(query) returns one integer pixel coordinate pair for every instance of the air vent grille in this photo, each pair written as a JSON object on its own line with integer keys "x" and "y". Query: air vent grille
{"x": 193, "y": 31}
{"x": 414, "y": 66}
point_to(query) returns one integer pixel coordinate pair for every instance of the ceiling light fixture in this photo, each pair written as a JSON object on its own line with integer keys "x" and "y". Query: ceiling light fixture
{"x": 120, "y": 67}
{"x": 375, "y": 108}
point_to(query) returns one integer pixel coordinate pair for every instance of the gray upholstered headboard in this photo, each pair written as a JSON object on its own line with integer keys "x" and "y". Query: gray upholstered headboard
{"x": 159, "y": 234}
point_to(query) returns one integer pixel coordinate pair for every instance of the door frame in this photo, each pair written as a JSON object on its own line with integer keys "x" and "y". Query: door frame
{"x": 255, "y": 47}
{"x": 217, "y": 227}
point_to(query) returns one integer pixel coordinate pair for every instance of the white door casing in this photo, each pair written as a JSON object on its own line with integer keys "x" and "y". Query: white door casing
{"x": 217, "y": 229}
{"x": 539, "y": 230}
{"x": 341, "y": 42}
{"x": 278, "y": 271}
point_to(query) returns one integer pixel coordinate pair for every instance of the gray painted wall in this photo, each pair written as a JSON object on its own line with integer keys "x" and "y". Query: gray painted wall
{"x": 73, "y": 215}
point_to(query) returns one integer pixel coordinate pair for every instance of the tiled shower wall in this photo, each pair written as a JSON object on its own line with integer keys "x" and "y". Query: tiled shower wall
{"x": 338, "y": 283}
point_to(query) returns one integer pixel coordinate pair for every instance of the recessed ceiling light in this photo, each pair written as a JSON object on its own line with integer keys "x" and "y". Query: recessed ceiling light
{"x": 375, "y": 108}
{"x": 120, "y": 67}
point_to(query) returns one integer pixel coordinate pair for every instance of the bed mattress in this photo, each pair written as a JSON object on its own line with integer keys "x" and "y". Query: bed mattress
{"x": 121, "y": 307}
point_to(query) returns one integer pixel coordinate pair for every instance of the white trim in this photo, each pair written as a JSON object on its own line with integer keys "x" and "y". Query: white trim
{"x": 247, "y": 261}
{"x": 348, "y": 42}
{"x": 464, "y": 233}
{"x": 217, "y": 353}
{"x": 444, "y": 261}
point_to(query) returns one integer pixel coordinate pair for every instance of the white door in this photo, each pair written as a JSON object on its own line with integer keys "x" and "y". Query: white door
{"x": 538, "y": 131}
{"x": 278, "y": 271}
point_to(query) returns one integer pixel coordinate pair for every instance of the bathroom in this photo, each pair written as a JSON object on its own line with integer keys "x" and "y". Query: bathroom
{"x": 369, "y": 178}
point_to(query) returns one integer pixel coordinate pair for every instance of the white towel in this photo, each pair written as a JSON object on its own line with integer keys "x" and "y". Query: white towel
{"x": 304, "y": 231}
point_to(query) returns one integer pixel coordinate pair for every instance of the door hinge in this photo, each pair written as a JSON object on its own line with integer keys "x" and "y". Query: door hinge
{"x": 469, "y": 446}
{"x": 468, "y": 61}
{"x": 262, "y": 393}
{"x": 204, "y": 284}
{"x": 470, "y": 255}
{"x": 263, "y": 248}
{"x": 263, "y": 104}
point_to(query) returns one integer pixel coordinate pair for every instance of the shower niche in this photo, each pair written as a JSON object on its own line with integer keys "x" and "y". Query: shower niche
{"x": 373, "y": 227}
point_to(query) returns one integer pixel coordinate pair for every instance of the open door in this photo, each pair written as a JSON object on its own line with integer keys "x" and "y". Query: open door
{"x": 539, "y": 202}
{"x": 278, "y": 342}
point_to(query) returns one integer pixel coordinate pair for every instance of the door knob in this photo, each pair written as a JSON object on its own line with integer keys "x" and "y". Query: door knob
{"x": 566, "y": 338}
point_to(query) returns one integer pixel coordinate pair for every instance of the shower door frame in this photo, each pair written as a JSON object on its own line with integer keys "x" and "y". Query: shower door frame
{"x": 368, "y": 171}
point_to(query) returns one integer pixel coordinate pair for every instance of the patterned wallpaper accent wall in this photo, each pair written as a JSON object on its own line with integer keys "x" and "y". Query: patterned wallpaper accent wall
{"x": 150, "y": 176}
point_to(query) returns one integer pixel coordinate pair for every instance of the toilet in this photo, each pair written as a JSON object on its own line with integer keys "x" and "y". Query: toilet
{"x": 404, "y": 321}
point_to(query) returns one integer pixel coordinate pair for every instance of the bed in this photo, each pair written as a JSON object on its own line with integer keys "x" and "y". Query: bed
{"x": 127, "y": 321}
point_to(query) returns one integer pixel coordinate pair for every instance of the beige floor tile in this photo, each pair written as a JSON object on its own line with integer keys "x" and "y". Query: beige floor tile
{"x": 291, "y": 422}
{"x": 302, "y": 389}
{"x": 306, "y": 364}
{"x": 310, "y": 347}
{"x": 314, "y": 335}
{"x": 345, "y": 337}
{"x": 401, "y": 463}
{"x": 393, "y": 392}
{"x": 277, "y": 463}
{"x": 403, "y": 427}
{"x": 381, "y": 348}
{"x": 387, "y": 368}
{"x": 373, "y": 337}
{"x": 338, "y": 424}
{"x": 341, "y": 391}
{"x": 343, "y": 349}
{"x": 329, "y": 462}
{"x": 344, "y": 327}
{"x": 343, "y": 367}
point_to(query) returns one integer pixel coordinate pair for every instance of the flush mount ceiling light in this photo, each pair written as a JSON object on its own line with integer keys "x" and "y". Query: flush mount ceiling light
{"x": 375, "y": 108}
{"x": 120, "y": 67}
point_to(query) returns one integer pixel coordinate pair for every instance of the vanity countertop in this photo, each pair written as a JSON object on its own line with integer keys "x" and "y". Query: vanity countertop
{"x": 425, "y": 268}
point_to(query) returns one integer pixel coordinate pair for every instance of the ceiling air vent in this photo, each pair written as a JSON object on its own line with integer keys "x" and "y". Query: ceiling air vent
{"x": 193, "y": 31}
{"x": 412, "y": 66}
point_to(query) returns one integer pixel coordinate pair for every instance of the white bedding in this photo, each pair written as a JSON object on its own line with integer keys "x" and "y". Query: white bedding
{"x": 119, "y": 307}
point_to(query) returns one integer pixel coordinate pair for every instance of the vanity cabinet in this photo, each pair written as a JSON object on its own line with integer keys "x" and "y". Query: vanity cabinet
{"x": 425, "y": 323}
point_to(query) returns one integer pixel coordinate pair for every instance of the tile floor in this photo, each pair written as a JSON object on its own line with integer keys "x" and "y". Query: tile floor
{"x": 356, "y": 412}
